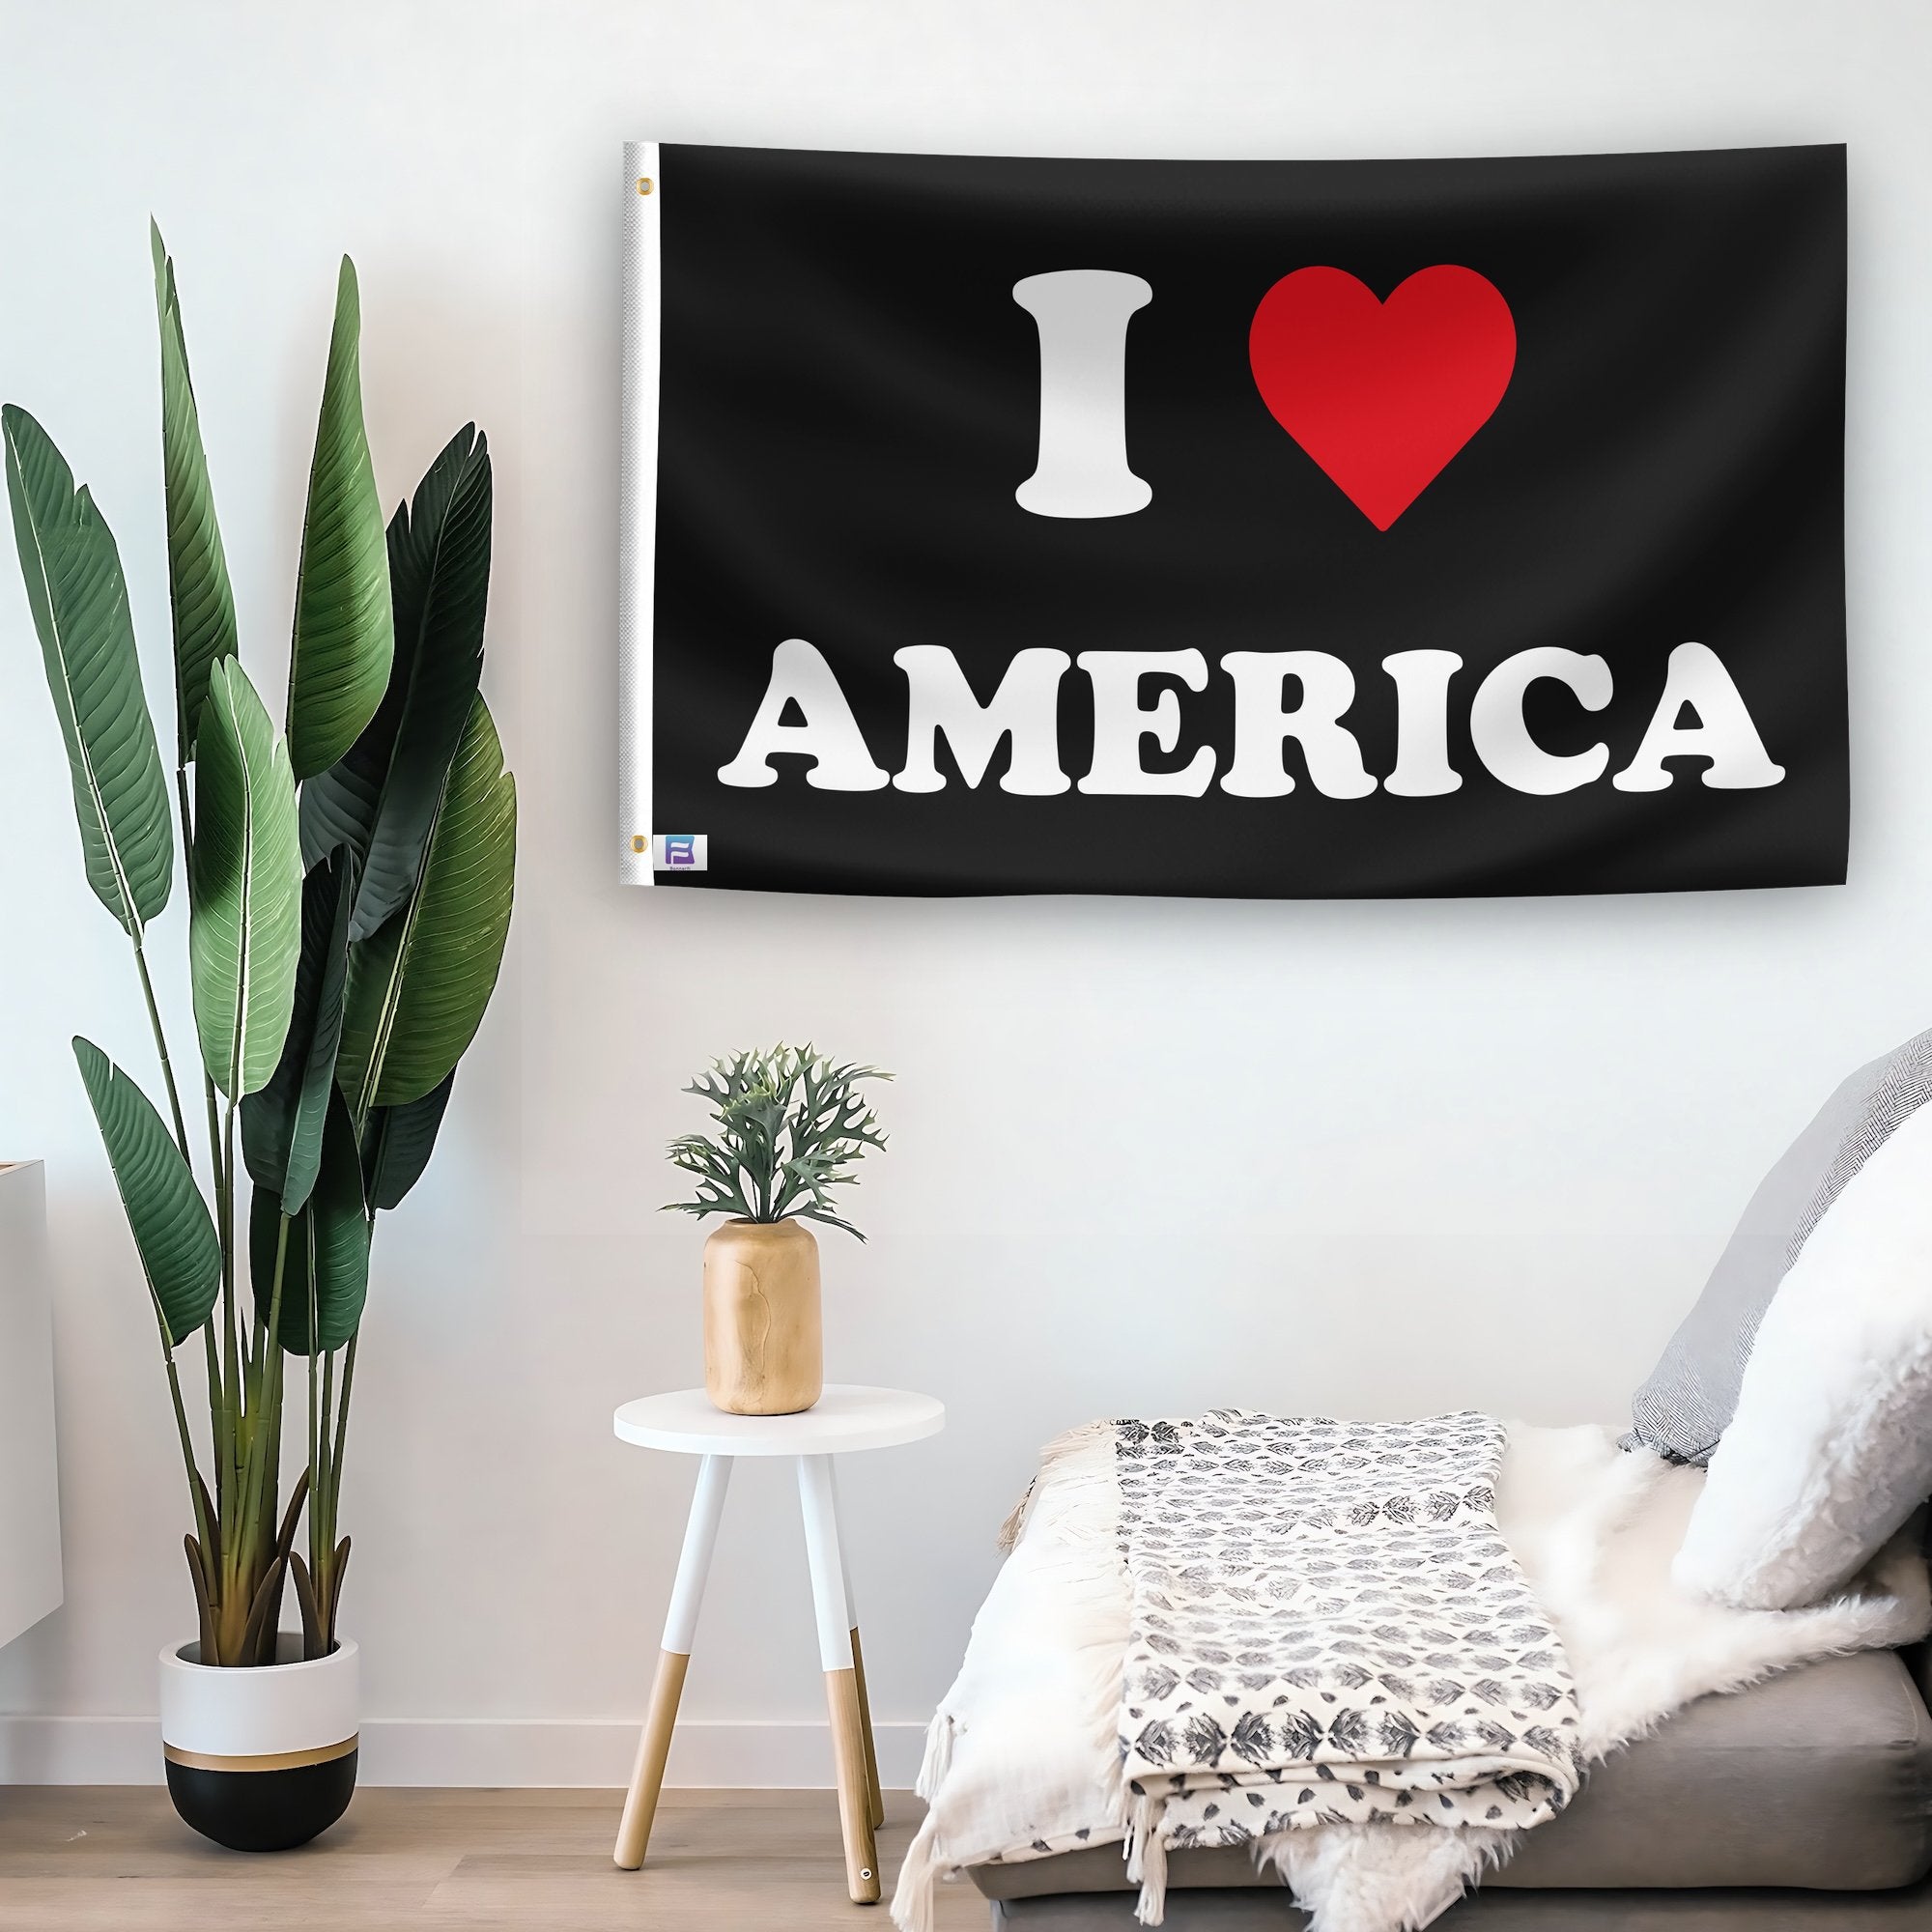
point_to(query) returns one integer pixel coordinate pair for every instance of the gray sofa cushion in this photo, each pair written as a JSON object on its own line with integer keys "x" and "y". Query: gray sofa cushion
{"x": 1820, "y": 1780}
{"x": 1692, "y": 1393}
{"x": 1486, "y": 1911}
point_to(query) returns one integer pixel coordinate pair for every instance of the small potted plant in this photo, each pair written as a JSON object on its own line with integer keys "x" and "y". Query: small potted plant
{"x": 790, "y": 1127}
{"x": 348, "y": 889}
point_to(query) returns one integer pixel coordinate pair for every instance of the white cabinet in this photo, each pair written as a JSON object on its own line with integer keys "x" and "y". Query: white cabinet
{"x": 30, "y": 1557}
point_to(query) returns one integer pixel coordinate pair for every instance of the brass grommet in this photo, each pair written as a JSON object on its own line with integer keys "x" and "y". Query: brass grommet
{"x": 643, "y": 184}
{"x": 639, "y": 842}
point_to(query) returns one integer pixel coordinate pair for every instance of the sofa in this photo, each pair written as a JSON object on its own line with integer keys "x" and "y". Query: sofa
{"x": 1801, "y": 1381}
{"x": 1801, "y": 1804}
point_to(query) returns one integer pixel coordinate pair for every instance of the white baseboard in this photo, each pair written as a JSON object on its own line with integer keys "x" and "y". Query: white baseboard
{"x": 479, "y": 1752}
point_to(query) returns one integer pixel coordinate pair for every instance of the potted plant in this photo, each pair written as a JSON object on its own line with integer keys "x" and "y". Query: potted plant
{"x": 349, "y": 885}
{"x": 790, "y": 1127}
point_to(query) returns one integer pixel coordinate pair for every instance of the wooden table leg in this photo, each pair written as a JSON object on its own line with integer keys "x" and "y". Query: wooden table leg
{"x": 877, "y": 1797}
{"x": 855, "y": 1806}
{"x": 694, "y": 1564}
{"x": 820, "y": 1510}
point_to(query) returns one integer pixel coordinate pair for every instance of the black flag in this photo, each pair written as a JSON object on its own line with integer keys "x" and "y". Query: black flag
{"x": 1312, "y": 530}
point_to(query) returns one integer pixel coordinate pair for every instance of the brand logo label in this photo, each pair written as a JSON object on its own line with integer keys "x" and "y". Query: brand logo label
{"x": 679, "y": 852}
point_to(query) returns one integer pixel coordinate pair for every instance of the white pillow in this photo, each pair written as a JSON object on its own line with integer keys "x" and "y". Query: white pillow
{"x": 1830, "y": 1449}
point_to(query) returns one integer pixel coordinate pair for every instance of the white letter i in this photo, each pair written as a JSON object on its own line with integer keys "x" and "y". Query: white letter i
{"x": 1083, "y": 316}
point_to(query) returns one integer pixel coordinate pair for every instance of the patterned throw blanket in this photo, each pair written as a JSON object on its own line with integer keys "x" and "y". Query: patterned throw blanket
{"x": 1326, "y": 1627}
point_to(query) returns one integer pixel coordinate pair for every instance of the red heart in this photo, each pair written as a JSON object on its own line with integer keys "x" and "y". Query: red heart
{"x": 1382, "y": 394}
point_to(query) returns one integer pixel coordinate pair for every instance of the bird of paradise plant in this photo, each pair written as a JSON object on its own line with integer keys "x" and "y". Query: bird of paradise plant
{"x": 349, "y": 881}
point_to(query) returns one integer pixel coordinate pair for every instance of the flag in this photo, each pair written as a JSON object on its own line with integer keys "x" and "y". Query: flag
{"x": 1233, "y": 529}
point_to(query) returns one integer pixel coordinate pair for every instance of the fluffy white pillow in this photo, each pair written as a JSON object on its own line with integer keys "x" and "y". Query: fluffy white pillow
{"x": 1830, "y": 1449}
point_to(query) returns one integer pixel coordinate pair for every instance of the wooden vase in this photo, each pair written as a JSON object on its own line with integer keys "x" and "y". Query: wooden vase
{"x": 764, "y": 1349}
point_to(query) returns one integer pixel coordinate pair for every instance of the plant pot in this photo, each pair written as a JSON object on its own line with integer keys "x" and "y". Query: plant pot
{"x": 260, "y": 1759}
{"x": 764, "y": 1349}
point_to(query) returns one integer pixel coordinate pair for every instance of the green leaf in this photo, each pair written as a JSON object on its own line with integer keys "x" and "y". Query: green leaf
{"x": 325, "y": 1266}
{"x": 198, "y": 589}
{"x": 79, "y": 601}
{"x": 281, "y": 1125}
{"x": 344, "y": 636}
{"x": 173, "y": 1233}
{"x": 418, "y": 988}
{"x": 380, "y": 798}
{"x": 791, "y": 1126}
{"x": 246, "y": 883}
{"x": 398, "y": 1142}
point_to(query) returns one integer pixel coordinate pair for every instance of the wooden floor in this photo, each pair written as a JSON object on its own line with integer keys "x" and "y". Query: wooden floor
{"x": 75, "y": 1860}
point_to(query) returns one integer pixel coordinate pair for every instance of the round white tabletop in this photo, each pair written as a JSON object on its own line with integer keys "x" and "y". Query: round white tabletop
{"x": 845, "y": 1417}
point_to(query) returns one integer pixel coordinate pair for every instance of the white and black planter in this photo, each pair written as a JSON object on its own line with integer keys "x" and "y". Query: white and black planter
{"x": 264, "y": 1760}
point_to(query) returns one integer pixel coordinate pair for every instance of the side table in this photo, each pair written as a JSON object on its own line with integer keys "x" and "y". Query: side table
{"x": 844, "y": 1419}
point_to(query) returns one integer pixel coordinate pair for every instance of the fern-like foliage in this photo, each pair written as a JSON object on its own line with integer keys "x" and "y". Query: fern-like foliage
{"x": 792, "y": 1125}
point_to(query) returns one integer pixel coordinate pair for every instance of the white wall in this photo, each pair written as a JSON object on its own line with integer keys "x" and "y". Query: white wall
{"x": 1148, "y": 1156}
